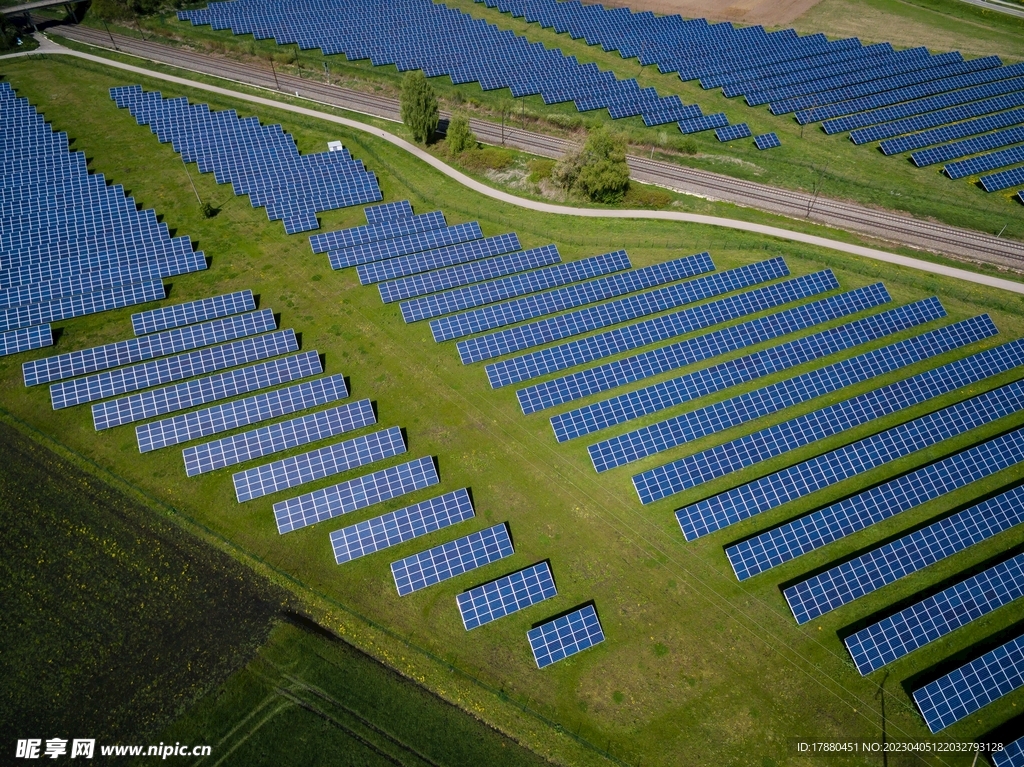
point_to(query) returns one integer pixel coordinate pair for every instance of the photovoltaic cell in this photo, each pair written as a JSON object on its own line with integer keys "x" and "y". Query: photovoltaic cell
{"x": 402, "y": 266}
{"x": 277, "y": 437}
{"x": 233, "y": 415}
{"x": 399, "y": 526}
{"x": 194, "y": 311}
{"x": 839, "y": 520}
{"x": 25, "y": 339}
{"x": 308, "y": 467}
{"x": 657, "y": 329}
{"x": 565, "y": 636}
{"x": 973, "y": 685}
{"x": 358, "y": 493}
{"x": 938, "y": 615}
{"x": 401, "y": 246}
{"x": 507, "y": 595}
{"x": 451, "y": 559}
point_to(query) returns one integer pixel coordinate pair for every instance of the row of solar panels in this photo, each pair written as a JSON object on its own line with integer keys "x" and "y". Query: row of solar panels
{"x": 69, "y": 244}
{"x": 260, "y": 161}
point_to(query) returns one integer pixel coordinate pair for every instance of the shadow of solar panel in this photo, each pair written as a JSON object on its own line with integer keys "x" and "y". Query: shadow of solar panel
{"x": 403, "y": 266}
{"x": 565, "y": 636}
{"x": 610, "y": 375}
{"x": 451, "y": 559}
{"x": 886, "y": 564}
{"x": 399, "y": 526}
{"x": 405, "y": 245}
{"x": 1012, "y": 755}
{"x": 972, "y": 686}
{"x": 358, "y": 493}
{"x": 376, "y": 214}
{"x": 507, "y": 595}
{"x": 813, "y": 531}
{"x": 732, "y": 132}
{"x": 25, "y": 339}
{"x": 820, "y": 424}
{"x": 81, "y": 305}
{"x": 571, "y": 296}
{"x": 317, "y": 464}
{"x": 192, "y": 312}
{"x": 657, "y": 329}
{"x": 277, "y": 437}
{"x": 387, "y": 229}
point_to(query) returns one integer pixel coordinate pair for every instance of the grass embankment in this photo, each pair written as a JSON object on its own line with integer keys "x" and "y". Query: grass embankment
{"x": 694, "y": 664}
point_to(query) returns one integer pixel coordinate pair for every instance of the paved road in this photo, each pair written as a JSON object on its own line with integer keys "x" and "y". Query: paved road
{"x": 891, "y": 227}
{"x": 50, "y": 47}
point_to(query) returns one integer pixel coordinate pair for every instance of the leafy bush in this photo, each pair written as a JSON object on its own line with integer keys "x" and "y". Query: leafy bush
{"x": 459, "y": 137}
{"x": 419, "y": 107}
{"x": 598, "y": 171}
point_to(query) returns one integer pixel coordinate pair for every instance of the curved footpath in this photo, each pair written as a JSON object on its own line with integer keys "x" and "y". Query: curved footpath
{"x": 49, "y": 47}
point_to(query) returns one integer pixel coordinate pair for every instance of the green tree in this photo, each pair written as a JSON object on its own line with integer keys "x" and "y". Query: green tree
{"x": 419, "y": 106}
{"x": 459, "y": 137}
{"x": 598, "y": 171}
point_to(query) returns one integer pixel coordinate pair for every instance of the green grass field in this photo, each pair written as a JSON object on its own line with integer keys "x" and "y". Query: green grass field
{"x": 697, "y": 669}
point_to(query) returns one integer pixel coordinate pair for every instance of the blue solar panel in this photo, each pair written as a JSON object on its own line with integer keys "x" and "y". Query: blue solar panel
{"x": 25, "y": 339}
{"x": 1012, "y": 755}
{"x": 402, "y": 246}
{"x": 277, "y": 437}
{"x": 399, "y": 526}
{"x": 820, "y": 424}
{"x": 767, "y": 141}
{"x": 317, "y": 464}
{"x": 81, "y": 305}
{"x": 879, "y": 567}
{"x": 571, "y": 296}
{"x": 620, "y": 372}
{"x": 376, "y": 214}
{"x": 233, "y": 415}
{"x": 507, "y": 595}
{"x": 510, "y": 287}
{"x": 732, "y": 132}
{"x": 354, "y": 494}
{"x": 402, "y": 266}
{"x": 451, "y": 559}
{"x": 985, "y": 162}
{"x": 194, "y": 311}
{"x": 385, "y": 230}
{"x": 565, "y": 636}
{"x": 166, "y": 369}
{"x": 973, "y": 685}
{"x": 743, "y": 408}
{"x": 462, "y": 274}
{"x": 938, "y": 615}
{"x": 658, "y": 329}
{"x": 199, "y": 392}
{"x": 146, "y": 347}
{"x": 839, "y": 520}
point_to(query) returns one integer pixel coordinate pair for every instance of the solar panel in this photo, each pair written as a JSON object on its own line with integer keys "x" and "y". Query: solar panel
{"x": 81, "y": 305}
{"x": 354, "y": 494}
{"x": 571, "y": 296}
{"x": 401, "y": 246}
{"x": 376, "y": 214}
{"x": 972, "y": 686}
{"x": 820, "y": 424}
{"x": 233, "y": 415}
{"x": 732, "y": 132}
{"x": 664, "y": 435}
{"x": 932, "y": 618}
{"x": 839, "y": 520}
{"x": 399, "y": 526}
{"x": 451, "y": 559}
{"x": 657, "y": 329}
{"x": 507, "y": 595}
{"x": 146, "y": 347}
{"x": 565, "y": 636}
{"x": 194, "y": 311}
{"x": 463, "y": 274}
{"x": 25, "y": 339}
{"x": 620, "y": 372}
{"x": 1012, "y": 755}
{"x": 188, "y": 394}
{"x": 111, "y": 383}
{"x": 879, "y": 567}
{"x": 385, "y": 230}
{"x": 317, "y": 464}
{"x": 767, "y": 141}
{"x": 482, "y": 293}
{"x": 277, "y": 437}
{"x": 403, "y": 266}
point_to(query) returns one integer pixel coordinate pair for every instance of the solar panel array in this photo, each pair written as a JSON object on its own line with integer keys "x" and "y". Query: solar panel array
{"x": 70, "y": 245}
{"x": 260, "y": 161}
{"x": 767, "y": 141}
{"x": 355, "y": 494}
{"x": 451, "y": 559}
{"x": 400, "y": 526}
{"x": 781, "y": 544}
{"x": 565, "y": 636}
{"x": 507, "y": 595}
{"x": 277, "y": 437}
{"x": 963, "y": 691}
{"x": 934, "y": 617}
{"x": 192, "y": 312}
{"x": 820, "y": 424}
{"x": 317, "y": 464}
